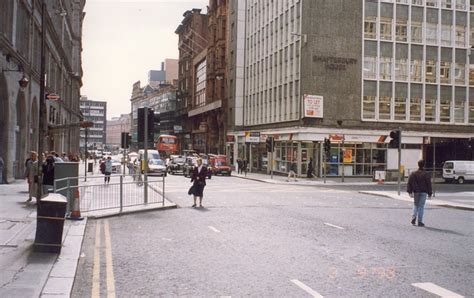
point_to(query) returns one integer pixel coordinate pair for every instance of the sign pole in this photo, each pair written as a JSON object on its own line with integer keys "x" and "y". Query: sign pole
{"x": 145, "y": 161}
{"x": 434, "y": 166}
{"x": 399, "y": 158}
{"x": 342, "y": 149}
{"x": 271, "y": 157}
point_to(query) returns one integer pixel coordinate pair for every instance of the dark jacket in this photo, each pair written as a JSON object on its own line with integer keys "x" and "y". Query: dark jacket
{"x": 48, "y": 171}
{"x": 199, "y": 176}
{"x": 419, "y": 181}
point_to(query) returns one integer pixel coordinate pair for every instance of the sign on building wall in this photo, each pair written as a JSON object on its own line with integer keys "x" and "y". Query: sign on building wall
{"x": 252, "y": 137}
{"x": 313, "y": 106}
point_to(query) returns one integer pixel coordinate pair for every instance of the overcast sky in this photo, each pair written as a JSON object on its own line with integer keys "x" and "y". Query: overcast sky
{"x": 123, "y": 40}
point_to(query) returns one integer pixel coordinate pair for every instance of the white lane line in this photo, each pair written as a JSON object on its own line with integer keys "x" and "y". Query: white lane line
{"x": 96, "y": 267}
{"x": 334, "y": 226}
{"x": 435, "y": 289}
{"x": 109, "y": 262}
{"x": 214, "y": 229}
{"x": 306, "y": 288}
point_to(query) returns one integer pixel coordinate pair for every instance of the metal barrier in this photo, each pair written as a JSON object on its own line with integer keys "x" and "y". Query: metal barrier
{"x": 122, "y": 191}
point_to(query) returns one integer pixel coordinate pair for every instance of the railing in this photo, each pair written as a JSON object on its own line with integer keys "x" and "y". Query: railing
{"x": 121, "y": 192}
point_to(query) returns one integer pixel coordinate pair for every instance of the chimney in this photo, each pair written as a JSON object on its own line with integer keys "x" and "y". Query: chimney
{"x": 162, "y": 65}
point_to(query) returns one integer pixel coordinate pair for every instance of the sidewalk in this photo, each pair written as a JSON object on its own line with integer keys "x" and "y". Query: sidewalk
{"x": 25, "y": 273}
{"x": 356, "y": 181}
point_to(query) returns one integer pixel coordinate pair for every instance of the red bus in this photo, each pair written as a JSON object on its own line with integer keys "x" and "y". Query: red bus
{"x": 166, "y": 145}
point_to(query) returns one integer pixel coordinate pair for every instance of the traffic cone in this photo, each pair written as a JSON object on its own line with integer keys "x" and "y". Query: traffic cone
{"x": 76, "y": 206}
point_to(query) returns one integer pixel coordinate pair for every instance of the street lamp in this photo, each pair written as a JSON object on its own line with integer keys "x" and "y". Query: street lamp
{"x": 86, "y": 125}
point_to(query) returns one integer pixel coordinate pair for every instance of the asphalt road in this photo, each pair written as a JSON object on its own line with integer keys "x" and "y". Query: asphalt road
{"x": 258, "y": 239}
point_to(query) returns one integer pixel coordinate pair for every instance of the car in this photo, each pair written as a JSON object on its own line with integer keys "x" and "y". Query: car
{"x": 176, "y": 164}
{"x": 189, "y": 165}
{"x": 219, "y": 165}
{"x": 156, "y": 167}
{"x": 116, "y": 166}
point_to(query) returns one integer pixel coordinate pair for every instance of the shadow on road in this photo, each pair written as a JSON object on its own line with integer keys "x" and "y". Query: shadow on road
{"x": 444, "y": 231}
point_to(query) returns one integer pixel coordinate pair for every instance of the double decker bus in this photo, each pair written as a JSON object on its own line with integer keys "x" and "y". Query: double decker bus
{"x": 167, "y": 145}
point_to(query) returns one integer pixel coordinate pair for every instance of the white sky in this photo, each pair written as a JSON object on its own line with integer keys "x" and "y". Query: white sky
{"x": 123, "y": 40}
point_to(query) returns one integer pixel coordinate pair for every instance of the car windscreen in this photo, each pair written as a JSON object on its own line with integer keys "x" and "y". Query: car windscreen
{"x": 178, "y": 160}
{"x": 448, "y": 165}
{"x": 156, "y": 162}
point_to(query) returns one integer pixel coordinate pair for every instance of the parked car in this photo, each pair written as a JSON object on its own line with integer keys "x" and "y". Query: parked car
{"x": 176, "y": 164}
{"x": 458, "y": 171}
{"x": 156, "y": 167}
{"x": 189, "y": 165}
{"x": 218, "y": 165}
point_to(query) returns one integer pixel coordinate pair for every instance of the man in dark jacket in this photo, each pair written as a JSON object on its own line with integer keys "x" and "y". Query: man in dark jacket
{"x": 419, "y": 187}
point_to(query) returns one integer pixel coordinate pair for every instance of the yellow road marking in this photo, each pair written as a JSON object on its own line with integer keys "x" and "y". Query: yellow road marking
{"x": 109, "y": 263}
{"x": 96, "y": 267}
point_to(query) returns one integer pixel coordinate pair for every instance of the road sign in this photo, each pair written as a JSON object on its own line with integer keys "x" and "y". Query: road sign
{"x": 52, "y": 96}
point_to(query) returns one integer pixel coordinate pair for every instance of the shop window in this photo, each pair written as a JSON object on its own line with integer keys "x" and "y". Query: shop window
{"x": 445, "y": 110}
{"x": 430, "y": 75}
{"x": 369, "y": 107}
{"x": 415, "y": 109}
{"x": 401, "y": 31}
{"x": 385, "y": 68}
{"x": 460, "y": 74}
{"x": 400, "y": 108}
{"x": 430, "y": 109}
{"x": 459, "y": 110}
{"x": 416, "y": 70}
{"x": 386, "y": 29}
{"x": 370, "y": 67}
{"x": 416, "y": 32}
{"x": 384, "y": 107}
{"x": 401, "y": 69}
{"x": 370, "y": 31}
{"x": 445, "y": 72}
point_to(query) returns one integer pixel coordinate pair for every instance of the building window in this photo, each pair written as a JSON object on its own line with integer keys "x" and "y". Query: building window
{"x": 370, "y": 65}
{"x": 430, "y": 109}
{"x": 460, "y": 36}
{"x": 445, "y": 72}
{"x": 416, "y": 70}
{"x": 384, "y": 107}
{"x": 369, "y": 107}
{"x": 201, "y": 84}
{"x": 403, "y": 1}
{"x": 370, "y": 28}
{"x": 386, "y": 29}
{"x": 471, "y": 111}
{"x": 445, "y": 110}
{"x": 417, "y": 2}
{"x": 459, "y": 110}
{"x": 432, "y": 3}
{"x": 471, "y": 40}
{"x": 400, "y": 108}
{"x": 461, "y": 4}
{"x": 415, "y": 109}
{"x": 416, "y": 32}
{"x": 431, "y": 33}
{"x": 460, "y": 74}
{"x": 401, "y": 69}
{"x": 447, "y": 3}
{"x": 430, "y": 75}
{"x": 471, "y": 75}
{"x": 446, "y": 35}
{"x": 401, "y": 31}
{"x": 385, "y": 68}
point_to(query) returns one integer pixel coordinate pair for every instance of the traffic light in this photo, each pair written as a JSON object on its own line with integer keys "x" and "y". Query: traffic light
{"x": 327, "y": 146}
{"x": 156, "y": 124}
{"x": 395, "y": 139}
{"x": 141, "y": 125}
{"x": 270, "y": 144}
{"x": 125, "y": 137}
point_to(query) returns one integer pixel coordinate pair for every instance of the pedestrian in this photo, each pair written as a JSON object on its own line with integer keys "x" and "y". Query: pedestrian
{"x": 2, "y": 165}
{"x": 244, "y": 166}
{"x": 31, "y": 171}
{"x": 48, "y": 174}
{"x": 239, "y": 166}
{"x": 419, "y": 187}
{"x": 198, "y": 178}
{"x": 64, "y": 157}
{"x": 292, "y": 171}
{"x": 107, "y": 169}
{"x": 310, "y": 168}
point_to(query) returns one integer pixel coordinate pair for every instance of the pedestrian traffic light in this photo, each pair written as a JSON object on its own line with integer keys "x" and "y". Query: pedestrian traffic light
{"x": 141, "y": 125}
{"x": 156, "y": 124}
{"x": 395, "y": 140}
{"x": 327, "y": 146}
{"x": 270, "y": 144}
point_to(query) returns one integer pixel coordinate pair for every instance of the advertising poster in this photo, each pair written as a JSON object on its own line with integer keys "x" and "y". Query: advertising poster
{"x": 313, "y": 106}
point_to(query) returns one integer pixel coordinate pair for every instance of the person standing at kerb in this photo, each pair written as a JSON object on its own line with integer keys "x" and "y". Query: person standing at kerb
{"x": 419, "y": 187}
{"x": 31, "y": 175}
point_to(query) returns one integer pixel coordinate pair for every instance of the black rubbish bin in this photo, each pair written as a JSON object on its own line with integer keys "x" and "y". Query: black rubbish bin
{"x": 50, "y": 223}
{"x": 90, "y": 167}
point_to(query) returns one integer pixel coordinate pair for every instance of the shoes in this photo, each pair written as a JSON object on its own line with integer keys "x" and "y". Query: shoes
{"x": 413, "y": 221}
{"x": 194, "y": 206}
{"x": 27, "y": 201}
{"x": 420, "y": 224}
{"x": 200, "y": 206}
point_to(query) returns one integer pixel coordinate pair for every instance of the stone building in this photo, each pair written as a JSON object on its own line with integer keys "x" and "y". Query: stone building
{"x": 20, "y": 56}
{"x": 352, "y": 71}
{"x": 115, "y": 128}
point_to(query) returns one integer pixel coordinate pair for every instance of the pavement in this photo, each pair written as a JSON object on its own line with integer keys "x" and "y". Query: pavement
{"x": 26, "y": 273}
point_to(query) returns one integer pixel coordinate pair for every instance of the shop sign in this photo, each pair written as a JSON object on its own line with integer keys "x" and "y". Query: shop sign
{"x": 336, "y": 138}
{"x": 313, "y": 106}
{"x": 252, "y": 137}
{"x": 177, "y": 128}
{"x": 231, "y": 138}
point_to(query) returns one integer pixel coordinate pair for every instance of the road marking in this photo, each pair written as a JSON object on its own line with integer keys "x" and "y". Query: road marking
{"x": 334, "y": 226}
{"x": 306, "y": 288}
{"x": 214, "y": 229}
{"x": 109, "y": 262}
{"x": 435, "y": 289}
{"x": 96, "y": 267}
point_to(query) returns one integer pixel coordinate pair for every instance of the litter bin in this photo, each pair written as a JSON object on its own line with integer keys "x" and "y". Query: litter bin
{"x": 50, "y": 223}
{"x": 90, "y": 167}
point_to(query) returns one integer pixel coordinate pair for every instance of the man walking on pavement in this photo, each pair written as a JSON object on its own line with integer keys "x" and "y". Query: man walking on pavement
{"x": 108, "y": 169}
{"x": 293, "y": 170}
{"x": 419, "y": 187}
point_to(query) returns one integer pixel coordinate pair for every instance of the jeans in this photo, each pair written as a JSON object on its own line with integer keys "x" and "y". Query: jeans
{"x": 419, "y": 205}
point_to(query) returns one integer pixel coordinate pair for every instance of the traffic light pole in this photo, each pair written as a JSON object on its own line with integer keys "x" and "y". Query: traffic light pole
{"x": 145, "y": 167}
{"x": 271, "y": 163}
{"x": 434, "y": 166}
{"x": 399, "y": 158}
{"x": 342, "y": 149}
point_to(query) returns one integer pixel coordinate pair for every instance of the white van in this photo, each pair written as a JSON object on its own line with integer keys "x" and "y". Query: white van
{"x": 152, "y": 154}
{"x": 458, "y": 170}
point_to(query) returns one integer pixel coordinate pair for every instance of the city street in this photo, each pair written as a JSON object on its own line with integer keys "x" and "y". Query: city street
{"x": 260, "y": 239}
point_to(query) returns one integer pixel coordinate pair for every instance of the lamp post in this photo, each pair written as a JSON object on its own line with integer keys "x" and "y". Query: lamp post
{"x": 86, "y": 125}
